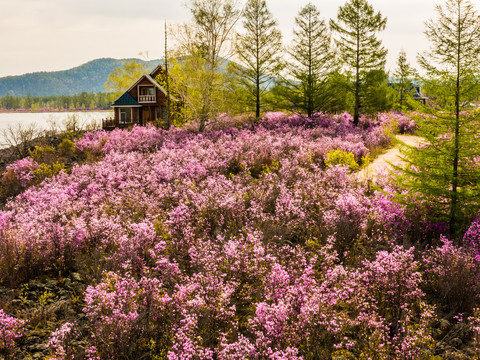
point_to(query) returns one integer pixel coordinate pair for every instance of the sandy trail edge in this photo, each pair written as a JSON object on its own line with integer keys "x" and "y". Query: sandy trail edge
{"x": 393, "y": 156}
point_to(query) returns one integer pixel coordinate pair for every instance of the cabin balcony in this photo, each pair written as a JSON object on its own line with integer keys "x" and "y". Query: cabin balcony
{"x": 147, "y": 99}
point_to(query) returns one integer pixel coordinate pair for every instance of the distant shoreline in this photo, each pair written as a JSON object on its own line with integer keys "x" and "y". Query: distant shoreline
{"x": 22, "y": 111}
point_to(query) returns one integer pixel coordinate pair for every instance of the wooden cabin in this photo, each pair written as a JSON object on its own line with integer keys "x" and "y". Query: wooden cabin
{"x": 418, "y": 95}
{"x": 145, "y": 101}
{"x": 414, "y": 90}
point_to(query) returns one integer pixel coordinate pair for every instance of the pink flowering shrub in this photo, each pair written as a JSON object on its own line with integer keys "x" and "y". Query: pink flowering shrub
{"x": 23, "y": 171}
{"x": 335, "y": 128}
{"x": 474, "y": 322}
{"x": 60, "y": 342}
{"x": 402, "y": 123}
{"x": 471, "y": 239}
{"x": 389, "y": 220}
{"x": 120, "y": 310}
{"x": 93, "y": 141}
{"x": 11, "y": 329}
{"x": 451, "y": 270}
{"x": 392, "y": 281}
{"x": 406, "y": 125}
{"x": 231, "y": 244}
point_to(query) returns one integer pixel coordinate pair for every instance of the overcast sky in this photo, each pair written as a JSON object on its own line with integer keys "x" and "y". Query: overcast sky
{"x": 49, "y": 35}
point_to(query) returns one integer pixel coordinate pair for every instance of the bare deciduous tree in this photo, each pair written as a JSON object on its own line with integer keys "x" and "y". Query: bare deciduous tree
{"x": 19, "y": 138}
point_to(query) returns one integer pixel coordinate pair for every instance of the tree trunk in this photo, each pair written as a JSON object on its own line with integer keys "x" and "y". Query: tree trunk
{"x": 257, "y": 84}
{"x": 454, "y": 199}
{"x": 456, "y": 148}
{"x": 356, "y": 114}
{"x": 203, "y": 122}
{"x": 257, "y": 99}
{"x": 203, "y": 119}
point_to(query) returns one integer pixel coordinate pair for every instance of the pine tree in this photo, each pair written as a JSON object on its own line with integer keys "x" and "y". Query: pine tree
{"x": 403, "y": 78}
{"x": 447, "y": 170}
{"x": 259, "y": 50}
{"x": 377, "y": 94}
{"x": 313, "y": 60}
{"x": 359, "y": 48}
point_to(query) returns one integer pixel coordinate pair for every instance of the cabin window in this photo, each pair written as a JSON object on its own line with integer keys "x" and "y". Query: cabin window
{"x": 147, "y": 91}
{"x": 125, "y": 116}
{"x": 157, "y": 113}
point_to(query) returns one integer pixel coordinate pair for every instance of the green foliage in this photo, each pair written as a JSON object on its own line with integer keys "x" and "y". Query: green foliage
{"x": 446, "y": 173}
{"x": 123, "y": 77}
{"x": 82, "y": 100}
{"x": 451, "y": 64}
{"x": 43, "y": 154}
{"x": 239, "y": 97}
{"x": 48, "y": 170}
{"x": 313, "y": 61}
{"x": 403, "y": 82}
{"x": 202, "y": 92}
{"x": 43, "y": 299}
{"x": 66, "y": 148}
{"x": 377, "y": 95}
{"x": 197, "y": 69}
{"x": 430, "y": 173}
{"x": 359, "y": 48}
{"x": 259, "y": 50}
{"x": 339, "y": 98}
{"x": 340, "y": 157}
{"x": 177, "y": 108}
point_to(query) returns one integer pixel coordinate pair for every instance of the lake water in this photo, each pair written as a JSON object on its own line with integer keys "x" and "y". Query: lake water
{"x": 53, "y": 120}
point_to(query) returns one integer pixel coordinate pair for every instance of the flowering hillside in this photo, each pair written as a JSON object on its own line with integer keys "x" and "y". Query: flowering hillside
{"x": 250, "y": 241}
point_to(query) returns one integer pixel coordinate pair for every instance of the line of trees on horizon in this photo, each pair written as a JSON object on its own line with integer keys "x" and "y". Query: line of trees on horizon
{"x": 83, "y": 101}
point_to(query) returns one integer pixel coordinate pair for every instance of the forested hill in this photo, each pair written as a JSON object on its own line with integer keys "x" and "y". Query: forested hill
{"x": 89, "y": 77}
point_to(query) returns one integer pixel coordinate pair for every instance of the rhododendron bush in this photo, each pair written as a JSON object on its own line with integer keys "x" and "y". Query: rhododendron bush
{"x": 236, "y": 243}
{"x": 11, "y": 329}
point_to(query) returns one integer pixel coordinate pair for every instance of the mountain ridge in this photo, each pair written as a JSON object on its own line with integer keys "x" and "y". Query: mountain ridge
{"x": 88, "y": 77}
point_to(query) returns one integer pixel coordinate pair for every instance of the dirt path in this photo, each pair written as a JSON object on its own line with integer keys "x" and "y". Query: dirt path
{"x": 391, "y": 156}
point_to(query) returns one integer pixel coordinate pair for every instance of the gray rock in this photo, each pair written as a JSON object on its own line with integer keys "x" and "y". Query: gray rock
{"x": 38, "y": 347}
{"x": 76, "y": 277}
{"x": 38, "y": 355}
{"x": 51, "y": 284}
{"x": 456, "y": 342}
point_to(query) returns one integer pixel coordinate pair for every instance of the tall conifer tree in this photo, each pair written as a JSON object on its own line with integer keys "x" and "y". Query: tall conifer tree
{"x": 259, "y": 50}
{"x": 403, "y": 78}
{"x": 313, "y": 60}
{"x": 358, "y": 46}
{"x": 446, "y": 171}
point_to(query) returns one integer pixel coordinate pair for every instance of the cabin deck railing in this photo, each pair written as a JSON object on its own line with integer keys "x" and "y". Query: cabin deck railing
{"x": 111, "y": 123}
{"x": 147, "y": 98}
{"x": 108, "y": 123}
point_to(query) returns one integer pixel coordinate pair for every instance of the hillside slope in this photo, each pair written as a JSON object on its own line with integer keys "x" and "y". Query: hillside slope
{"x": 247, "y": 241}
{"x": 89, "y": 77}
